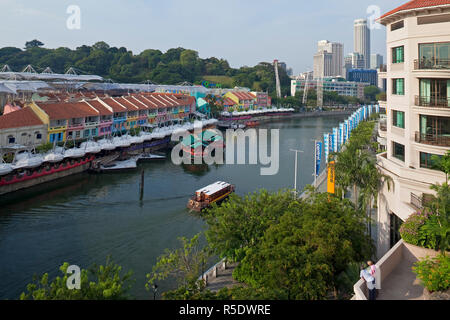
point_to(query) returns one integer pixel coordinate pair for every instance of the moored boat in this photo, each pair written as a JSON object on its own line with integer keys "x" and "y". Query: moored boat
{"x": 208, "y": 195}
{"x": 27, "y": 160}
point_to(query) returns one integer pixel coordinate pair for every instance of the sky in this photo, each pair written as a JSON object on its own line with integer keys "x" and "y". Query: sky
{"x": 244, "y": 32}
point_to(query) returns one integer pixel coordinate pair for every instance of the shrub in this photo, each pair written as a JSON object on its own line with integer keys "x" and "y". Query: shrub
{"x": 43, "y": 148}
{"x": 410, "y": 229}
{"x": 434, "y": 273}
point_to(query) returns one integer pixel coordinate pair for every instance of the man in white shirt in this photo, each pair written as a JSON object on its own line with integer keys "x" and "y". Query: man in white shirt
{"x": 370, "y": 281}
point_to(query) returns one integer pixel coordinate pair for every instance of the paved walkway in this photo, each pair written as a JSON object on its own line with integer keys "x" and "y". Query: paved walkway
{"x": 402, "y": 284}
{"x": 224, "y": 279}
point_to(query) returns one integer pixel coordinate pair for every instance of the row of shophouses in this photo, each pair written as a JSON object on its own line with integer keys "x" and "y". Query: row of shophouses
{"x": 40, "y": 122}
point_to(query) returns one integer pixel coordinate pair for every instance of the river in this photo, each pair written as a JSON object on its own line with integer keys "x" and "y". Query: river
{"x": 84, "y": 218}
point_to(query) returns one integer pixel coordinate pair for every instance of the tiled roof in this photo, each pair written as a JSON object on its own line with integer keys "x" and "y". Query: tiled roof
{"x": 228, "y": 102}
{"x": 67, "y": 110}
{"x": 21, "y": 118}
{"x": 244, "y": 95}
{"x": 144, "y": 100}
{"x": 104, "y": 111}
{"x": 114, "y": 105}
{"x": 127, "y": 104}
{"x": 416, "y": 4}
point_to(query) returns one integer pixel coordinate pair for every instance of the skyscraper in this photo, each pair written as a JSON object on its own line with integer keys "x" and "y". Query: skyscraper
{"x": 376, "y": 60}
{"x": 362, "y": 40}
{"x": 329, "y": 59}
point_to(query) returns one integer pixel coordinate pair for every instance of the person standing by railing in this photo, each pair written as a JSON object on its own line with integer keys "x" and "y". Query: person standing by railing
{"x": 370, "y": 281}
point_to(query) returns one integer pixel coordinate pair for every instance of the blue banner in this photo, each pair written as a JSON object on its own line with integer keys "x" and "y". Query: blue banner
{"x": 326, "y": 145}
{"x": 318, "y": 156}
{"x": 335, "y": 139}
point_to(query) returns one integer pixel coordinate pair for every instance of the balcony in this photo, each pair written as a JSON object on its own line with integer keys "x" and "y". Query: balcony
{"x": 76, "y": 126}
{"x": 435, "y": 102}
{"x": 431, "y": 64}
{"x": 397, "y": 280}
{"x": 442, "y": 140}
{"x": 91, "y": 124}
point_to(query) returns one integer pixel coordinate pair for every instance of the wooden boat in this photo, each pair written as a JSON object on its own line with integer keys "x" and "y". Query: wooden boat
{"x": 208, "y": 195}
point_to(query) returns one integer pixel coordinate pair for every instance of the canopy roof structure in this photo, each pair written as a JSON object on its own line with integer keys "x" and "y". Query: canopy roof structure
{"x": 119, "y": 86}
{"x": 48, "y": 76}
{"x": 23, "y": 86}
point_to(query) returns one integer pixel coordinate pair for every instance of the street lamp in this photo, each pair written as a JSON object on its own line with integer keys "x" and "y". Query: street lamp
{"x": 155, "y": 289}
{"x": 296, "y": 161}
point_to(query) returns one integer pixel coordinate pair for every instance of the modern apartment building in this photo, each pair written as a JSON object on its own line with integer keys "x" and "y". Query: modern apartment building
{"x": 361, "y": 40}
{"x": 418, "y": 110}
{"x": 339, "y": 85}
{"x": 376, "y": 61}
{"x": 329, "y": 59}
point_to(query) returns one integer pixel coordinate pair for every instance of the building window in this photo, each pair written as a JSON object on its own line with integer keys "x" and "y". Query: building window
{"x": 11, "y": 139}
{"x": 86, "y": 133}
{"x": 434, "y": 55}
{"x": 398, "y": 87}
{"x": 397, "y": 25}
{"x": 394, "y": 228}
{"x": 434, "y": 92}
{"x": 398, "y": 54}
{"x": 398, "y": 151}
{"x": 398, "y": 119}
{"x": 426, "y": 160}
{"x": 77, "y": 134}
{"x": 38, "y": 135}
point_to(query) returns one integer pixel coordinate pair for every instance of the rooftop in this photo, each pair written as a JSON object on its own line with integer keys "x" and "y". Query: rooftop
{"x": 416, "y": 4}
{"x": 21, "y": 118}
{"x": 68, "y": 110}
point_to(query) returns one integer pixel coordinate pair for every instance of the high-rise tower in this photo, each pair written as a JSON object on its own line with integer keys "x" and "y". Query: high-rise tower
{"x": 362, "y": 40}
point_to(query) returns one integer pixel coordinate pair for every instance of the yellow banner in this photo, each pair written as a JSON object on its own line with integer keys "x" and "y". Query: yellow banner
{"x": 331, "y": 178}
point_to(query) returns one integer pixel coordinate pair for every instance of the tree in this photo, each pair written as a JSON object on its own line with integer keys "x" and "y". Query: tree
{"x": 442, "y": 163}
{"x": 97, "y": 283}
{"x": 186, "y": 264}
{"x": 301, "y": 256}
{"x": 371, "y": 92}
{"x": 33, "y": 44}
{"x": 239, "y": 223}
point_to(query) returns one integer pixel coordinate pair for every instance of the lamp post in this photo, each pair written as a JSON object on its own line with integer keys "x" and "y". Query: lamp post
{"x": 296, "y": 162}
{"x": 155, "y": 289}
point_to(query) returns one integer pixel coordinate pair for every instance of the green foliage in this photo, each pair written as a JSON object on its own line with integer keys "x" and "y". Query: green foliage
{"x": 410, "y": 230}
{"x": 185, "y": 264}
{"x": 430, "y": 227}
{"x": 43, "y": 148}
{"x": 97, "y": 283}
{"x": 240, "y": 223}
{"x": 381, "y": 96}
{"x": 437, "y": 227}
{"x": 347, "y": 279}
{"x": 434, "y": 273}
{"x": 442, "y": 163}
{"x": 301, "y": 256}
{"x": 33, "y": 44}
{"x": 215, "y": 104}
{"x": 371, "y": 92}
{"x": 172, "y": 67}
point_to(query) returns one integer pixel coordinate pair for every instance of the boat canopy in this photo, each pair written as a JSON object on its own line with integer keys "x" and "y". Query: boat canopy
{"x": 213, "y": 188}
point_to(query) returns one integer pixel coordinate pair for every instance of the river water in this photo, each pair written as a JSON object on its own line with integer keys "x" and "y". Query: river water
{"x": 84, "y": 218}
